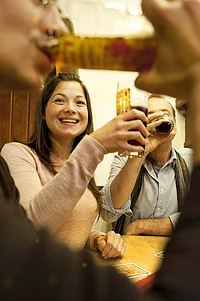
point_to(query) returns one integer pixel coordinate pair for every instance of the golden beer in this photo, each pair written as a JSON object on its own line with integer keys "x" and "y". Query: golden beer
{"x": 104, "y": 53}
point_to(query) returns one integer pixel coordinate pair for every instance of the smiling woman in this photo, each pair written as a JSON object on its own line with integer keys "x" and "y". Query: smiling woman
{"x": 66, "y": 113}
{"x": 54, "y": 169}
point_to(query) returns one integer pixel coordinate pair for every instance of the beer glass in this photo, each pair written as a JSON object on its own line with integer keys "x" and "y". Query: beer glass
{"x": 124, "y": 41}
{"x": 129, "y": 97}
{"x": 166, "y": 126}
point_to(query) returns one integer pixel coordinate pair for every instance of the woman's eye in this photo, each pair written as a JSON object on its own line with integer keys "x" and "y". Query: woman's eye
{"x": 81, "y": 102}
{"x": 59, "y": 100}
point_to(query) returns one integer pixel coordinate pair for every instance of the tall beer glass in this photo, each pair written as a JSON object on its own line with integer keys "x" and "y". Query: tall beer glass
{"x": 129, "y": 97}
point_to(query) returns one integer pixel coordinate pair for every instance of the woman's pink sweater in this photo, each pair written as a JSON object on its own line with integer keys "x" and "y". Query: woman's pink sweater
{"x": 62, "y": 203}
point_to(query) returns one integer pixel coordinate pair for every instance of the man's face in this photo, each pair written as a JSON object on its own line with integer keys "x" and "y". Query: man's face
{"x": 157, "y": 107}
{"x": 23, "y": 27}
{"x": 157, "y": 104}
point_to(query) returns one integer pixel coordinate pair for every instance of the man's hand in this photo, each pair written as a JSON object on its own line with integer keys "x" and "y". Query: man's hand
{"x": 155, "y": 138}
{"x": 111, "y": 245}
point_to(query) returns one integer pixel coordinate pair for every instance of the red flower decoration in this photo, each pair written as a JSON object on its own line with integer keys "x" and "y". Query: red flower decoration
{"x": 68, "y": 43}
{"x": 118, "y": 48}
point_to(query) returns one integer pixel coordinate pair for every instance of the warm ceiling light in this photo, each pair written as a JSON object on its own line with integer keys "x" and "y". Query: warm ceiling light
{"x": 134, "y": 11}
{"x": 115, "y": 5}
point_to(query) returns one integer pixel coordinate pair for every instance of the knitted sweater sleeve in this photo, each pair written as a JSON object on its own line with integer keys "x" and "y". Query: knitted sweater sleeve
{"x": 47, "y": 205}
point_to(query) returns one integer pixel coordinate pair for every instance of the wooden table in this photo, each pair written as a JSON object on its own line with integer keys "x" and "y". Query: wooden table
{"x": 139, "y": 250}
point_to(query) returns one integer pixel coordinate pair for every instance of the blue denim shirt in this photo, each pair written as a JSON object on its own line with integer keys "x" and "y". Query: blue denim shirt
{"x": 158, "y": 195}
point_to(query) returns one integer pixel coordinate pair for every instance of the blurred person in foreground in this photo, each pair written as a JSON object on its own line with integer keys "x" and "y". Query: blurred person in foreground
{"x": 26, "y": 28}
{"x": 34, "y": 267}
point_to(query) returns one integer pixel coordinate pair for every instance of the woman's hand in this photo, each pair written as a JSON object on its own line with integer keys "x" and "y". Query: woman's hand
{"x": 177, "y": 27}
{"x": 111, "y": 245}
{"x": 115, "y": 134}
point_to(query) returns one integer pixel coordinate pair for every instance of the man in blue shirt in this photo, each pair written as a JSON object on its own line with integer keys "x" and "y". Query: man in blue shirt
{"x": 145, "y": 195}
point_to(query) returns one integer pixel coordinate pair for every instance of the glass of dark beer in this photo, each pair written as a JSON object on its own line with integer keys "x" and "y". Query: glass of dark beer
{"x": 128, "y": 97}
{"x": 166, "y": 126}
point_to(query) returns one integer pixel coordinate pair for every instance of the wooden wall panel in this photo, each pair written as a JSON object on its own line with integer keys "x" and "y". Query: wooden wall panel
{"x": 187, "y": 131}
{"x": 182, "y": 106}
{"x": 32, "y": 107}
{"x": 16, "y": 115}
{"x": 20, "y": 115}
{"x": 5, "y": 116}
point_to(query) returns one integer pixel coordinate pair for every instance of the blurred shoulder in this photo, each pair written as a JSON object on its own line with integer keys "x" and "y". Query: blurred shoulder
{"x": 185, "y": 151}
{"x": 187, "y": 154}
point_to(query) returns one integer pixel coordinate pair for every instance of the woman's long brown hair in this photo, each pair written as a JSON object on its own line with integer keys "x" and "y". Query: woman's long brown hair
{"x": 40, "y": 141}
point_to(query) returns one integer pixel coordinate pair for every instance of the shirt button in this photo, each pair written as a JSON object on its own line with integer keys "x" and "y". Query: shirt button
{"x": 129, "y": 213}
{"x": 161, "y": 189}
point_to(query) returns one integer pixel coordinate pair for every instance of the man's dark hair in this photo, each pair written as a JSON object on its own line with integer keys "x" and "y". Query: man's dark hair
{"x": 162, "y": 96}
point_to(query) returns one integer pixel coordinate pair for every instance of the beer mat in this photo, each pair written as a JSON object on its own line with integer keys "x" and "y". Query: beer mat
{"x": 131, "y": 270}
{"x": 159, "y": 255}
{"x": 147, "y": 282}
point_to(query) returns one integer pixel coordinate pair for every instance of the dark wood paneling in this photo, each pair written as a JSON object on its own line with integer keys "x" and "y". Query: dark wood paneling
{"x": 187, "y": 130}
{"x": 20, "y": 115}
{"x": 5, "y": 116}
{"x": 181, "y": 105}
{"x": 16, "y": 115}
{"x": 32, "y": 107}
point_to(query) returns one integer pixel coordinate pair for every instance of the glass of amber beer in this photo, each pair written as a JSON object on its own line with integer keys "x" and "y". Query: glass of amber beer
{"x": 128, "y": 97}
{"x": 125, "y": 41}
